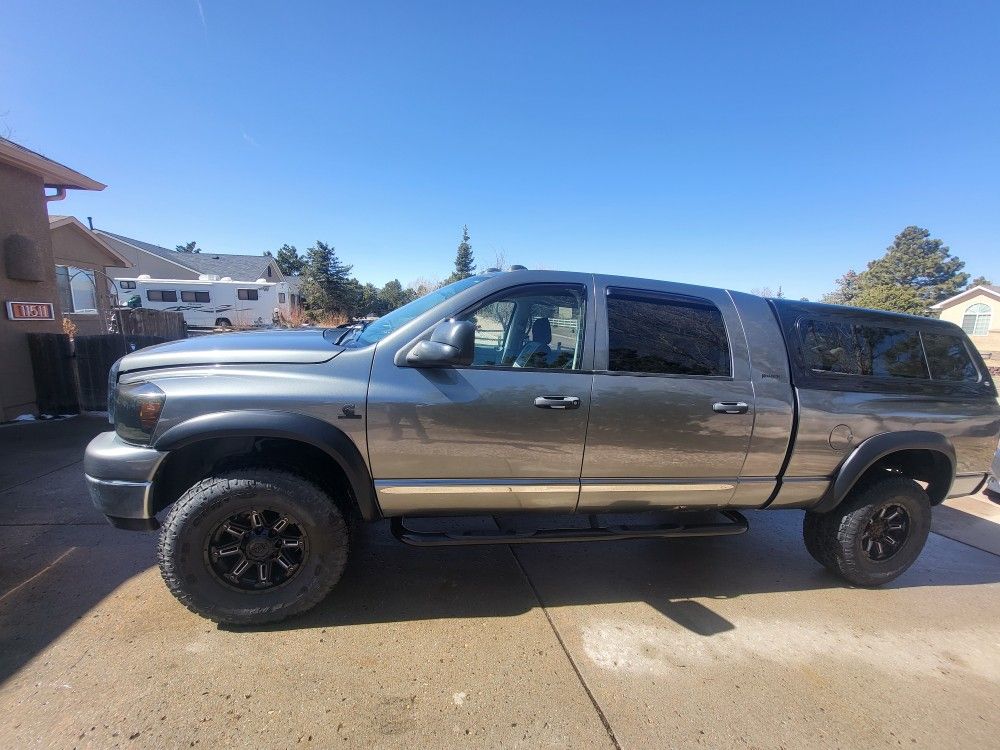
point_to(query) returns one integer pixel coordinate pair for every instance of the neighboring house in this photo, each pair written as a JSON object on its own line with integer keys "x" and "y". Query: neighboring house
{"x": 161, "y": 263}
{"x": 977, "y": 310}
{"x": 295, "y": 292}
{"x": 29, "y": 292}
{"x": 80, "y": 259}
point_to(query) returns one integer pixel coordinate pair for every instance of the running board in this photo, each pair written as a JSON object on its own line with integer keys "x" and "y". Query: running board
{"x": 737, "y": 524}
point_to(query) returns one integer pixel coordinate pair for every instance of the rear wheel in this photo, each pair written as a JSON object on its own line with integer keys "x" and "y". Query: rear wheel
{"x": 251, "y": 546}
{"x": 223, "y": 323}
{"x": 875, "y": 534}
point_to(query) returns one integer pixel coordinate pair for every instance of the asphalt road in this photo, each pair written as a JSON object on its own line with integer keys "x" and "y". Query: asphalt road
{"x": 738, "y": 642}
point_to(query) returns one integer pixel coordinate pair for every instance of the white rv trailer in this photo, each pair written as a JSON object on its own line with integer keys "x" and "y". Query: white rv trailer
{"x": 210, "y": 302}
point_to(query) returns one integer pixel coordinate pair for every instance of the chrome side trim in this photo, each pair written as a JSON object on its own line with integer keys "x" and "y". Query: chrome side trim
{"x": 634, "y": 486}
{"x": 602, "y": 494}
{"x": 413, "y": 497}
{"x": 475, "y": 487}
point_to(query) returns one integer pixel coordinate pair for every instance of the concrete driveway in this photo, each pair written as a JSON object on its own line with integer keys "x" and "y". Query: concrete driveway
{"x": 714, "y": 642}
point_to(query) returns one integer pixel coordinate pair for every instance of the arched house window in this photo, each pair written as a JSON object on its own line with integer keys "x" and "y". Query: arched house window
{"x": 976, "y": 321}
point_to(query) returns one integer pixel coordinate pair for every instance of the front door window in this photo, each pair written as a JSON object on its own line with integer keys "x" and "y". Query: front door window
{"x": 538, "y": 327}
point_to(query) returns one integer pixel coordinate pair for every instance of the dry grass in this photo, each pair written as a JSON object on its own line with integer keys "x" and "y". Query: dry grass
{"x": 294, "y": 318}
{"x": 328, "y": 320}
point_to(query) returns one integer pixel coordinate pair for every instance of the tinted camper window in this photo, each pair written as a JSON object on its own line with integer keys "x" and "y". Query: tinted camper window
{"x": 246, "y": 293}
{"x": 847, "y": 349}
{"x": 195, "y": 297}
{"x": 161, "y": 295}
{"x": 948, "y": 358}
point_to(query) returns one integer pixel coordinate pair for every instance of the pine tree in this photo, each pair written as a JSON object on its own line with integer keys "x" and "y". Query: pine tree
{"x": 289, "y": 260}
{"x": 327, "y": 281}
{"x": 847, "y": 289}
{"x": 465, "y": 263}
{"x": 917, "y": 262}
{"x": 893, "y": 298}
{"x": 188, "y": 247}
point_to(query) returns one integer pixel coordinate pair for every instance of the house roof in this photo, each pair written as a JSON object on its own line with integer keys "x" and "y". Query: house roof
{"x": 52, "y": 173}
{"x": 990, "y": 289}
{"x": 237, "y": 267}
{"x": 114, "y": 258}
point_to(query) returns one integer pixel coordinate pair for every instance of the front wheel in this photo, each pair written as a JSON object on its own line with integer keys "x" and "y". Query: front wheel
{"x": 875, "y": 534}
{"x": 252, "y": 546}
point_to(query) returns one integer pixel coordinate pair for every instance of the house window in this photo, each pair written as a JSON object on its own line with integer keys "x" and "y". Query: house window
{"x": 161, "y": 295}
{"x": 246, "y": 293}
{"x": 976, "y": 321}
{"x": 77, "y": 290}
{"x": 281, "y": 298}
{"x": 195, "y": 297}
{"x": 126, "y": 285}
{"x": 268, "y": 272}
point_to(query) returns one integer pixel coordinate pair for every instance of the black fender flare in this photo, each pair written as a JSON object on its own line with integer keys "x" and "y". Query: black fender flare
{"x": 870, "y": 451}
{"x": 281, "y": 424}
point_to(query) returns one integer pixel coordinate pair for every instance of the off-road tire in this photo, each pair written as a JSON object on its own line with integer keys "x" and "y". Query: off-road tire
{"x": 834, "y": 539}
{"x": 189, "y": 576}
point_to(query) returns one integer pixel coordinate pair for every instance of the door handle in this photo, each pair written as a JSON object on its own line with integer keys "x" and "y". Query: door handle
{"x": 730, "y": 407}
{"x": 557, "y": 402}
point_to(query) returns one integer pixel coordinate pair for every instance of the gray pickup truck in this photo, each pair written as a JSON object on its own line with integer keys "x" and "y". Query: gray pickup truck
{"x": 539, "y": 392}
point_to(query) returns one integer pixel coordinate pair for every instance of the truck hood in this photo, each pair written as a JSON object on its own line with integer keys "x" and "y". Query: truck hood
{"x": 254, "y": 347}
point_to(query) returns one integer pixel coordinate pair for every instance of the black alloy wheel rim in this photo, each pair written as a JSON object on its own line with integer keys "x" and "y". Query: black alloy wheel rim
{"x": 257, "y": 549}
{"x": 886, "y": 532}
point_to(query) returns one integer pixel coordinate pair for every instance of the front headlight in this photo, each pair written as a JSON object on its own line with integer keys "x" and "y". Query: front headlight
{"x": 137, "y": 410}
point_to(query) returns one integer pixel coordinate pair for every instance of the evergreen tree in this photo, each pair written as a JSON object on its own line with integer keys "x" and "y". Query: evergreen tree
{"x": 188, "y": 247}
{"x": 465, "y": 263}
{"x": 847, "y": 289}
{"x": 394, "y": 295}
{"x": 289, "y": 260}
{"x": 917, "y": 262}
{"x": 893, "y": 298}
{"x": 327, "y": 283}
{"x": 980, "y": 281}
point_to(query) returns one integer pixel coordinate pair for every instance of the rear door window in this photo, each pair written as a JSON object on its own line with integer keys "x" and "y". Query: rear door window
{"x": 948, "y": 358}
{"x": 672, "y": 336}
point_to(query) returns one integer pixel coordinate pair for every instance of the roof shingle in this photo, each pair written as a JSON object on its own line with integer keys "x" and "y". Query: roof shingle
{"x": 237, "y": 267}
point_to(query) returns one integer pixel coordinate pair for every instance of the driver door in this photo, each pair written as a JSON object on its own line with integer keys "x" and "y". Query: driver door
{"x": 501, "y": 435}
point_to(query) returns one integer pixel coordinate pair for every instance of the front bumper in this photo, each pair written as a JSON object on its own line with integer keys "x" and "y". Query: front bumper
{"x": 120, "y": 480}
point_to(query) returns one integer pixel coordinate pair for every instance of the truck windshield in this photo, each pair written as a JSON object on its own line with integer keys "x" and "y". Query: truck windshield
{"x": 382, "y": 327}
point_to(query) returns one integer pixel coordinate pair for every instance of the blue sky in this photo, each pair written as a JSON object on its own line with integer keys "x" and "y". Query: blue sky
{"x": 730, "y": 144}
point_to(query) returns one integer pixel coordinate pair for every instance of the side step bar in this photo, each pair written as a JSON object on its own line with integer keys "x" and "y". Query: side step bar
{"x": 737, "y": 524}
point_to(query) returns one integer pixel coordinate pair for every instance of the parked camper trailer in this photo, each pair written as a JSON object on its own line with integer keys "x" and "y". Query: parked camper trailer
{"x": 210, "y": 302}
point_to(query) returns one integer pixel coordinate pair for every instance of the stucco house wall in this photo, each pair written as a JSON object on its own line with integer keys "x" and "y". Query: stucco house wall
{"x": 954, "y": 310}
{"x": 25, "y": 242}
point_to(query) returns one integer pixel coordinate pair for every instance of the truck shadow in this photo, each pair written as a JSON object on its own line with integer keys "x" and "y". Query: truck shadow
{"x": 390, "y": 582}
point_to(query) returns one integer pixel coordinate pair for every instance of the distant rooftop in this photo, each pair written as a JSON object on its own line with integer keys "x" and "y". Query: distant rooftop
{"x": 237, "y": 267}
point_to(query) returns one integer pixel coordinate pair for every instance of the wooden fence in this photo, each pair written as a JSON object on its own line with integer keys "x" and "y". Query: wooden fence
{"x": 142, "y": 321}
{"x": 56, "y": 389}
{"x": 72, "y": 374}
